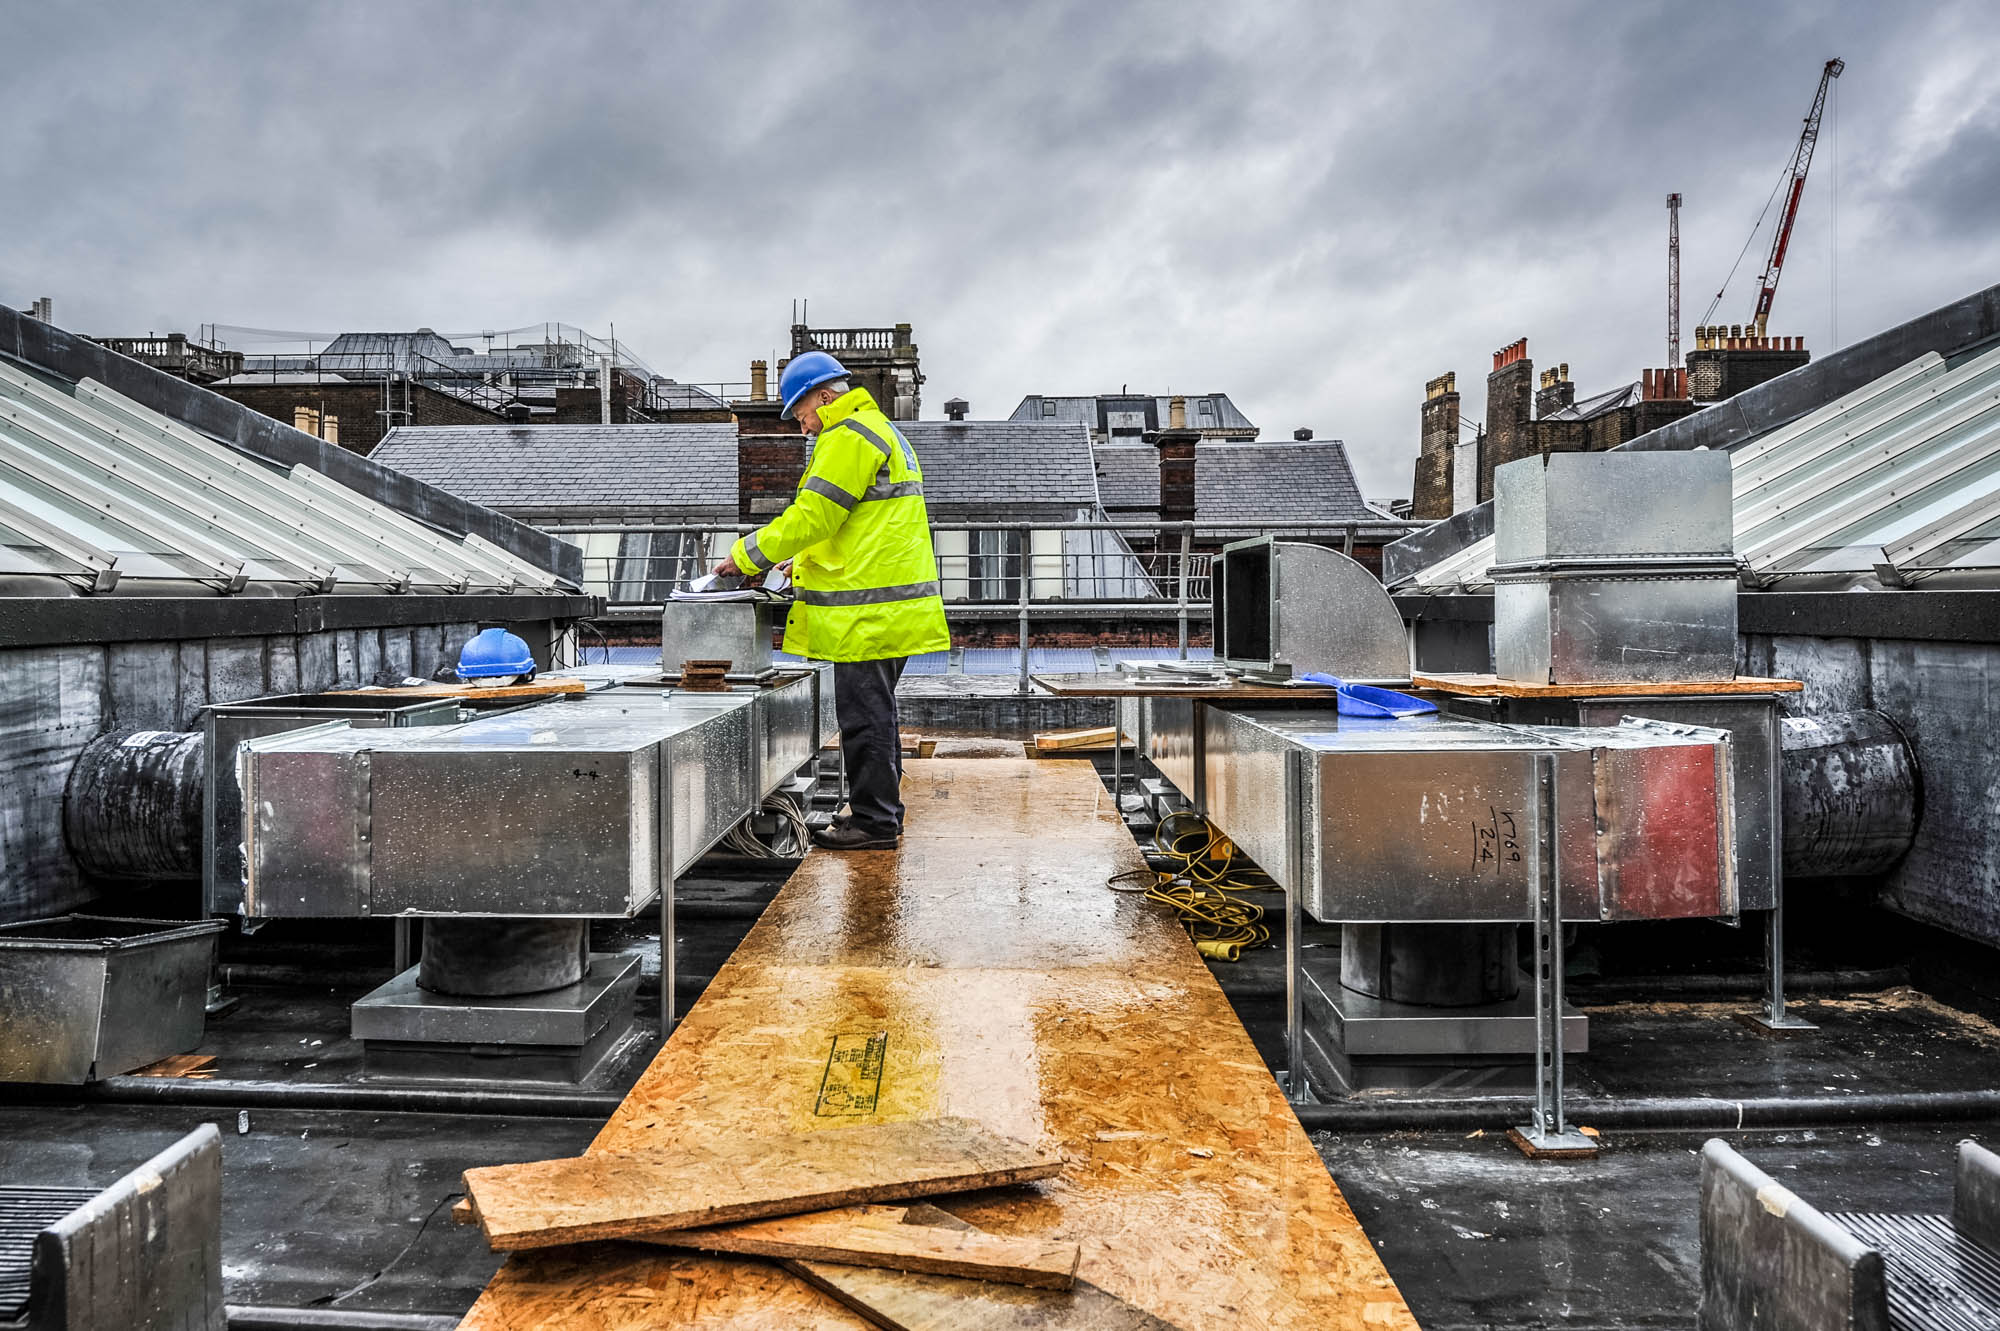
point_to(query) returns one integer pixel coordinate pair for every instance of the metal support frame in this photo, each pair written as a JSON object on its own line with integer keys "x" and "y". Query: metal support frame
{"x": 1548, "y": 1130}
{"x": 1297, "y": 1085}
{"x": 1026, "y": 570}
{"x": 1118, "y": 757}
{"x": 1774, "y": 1018}
{"x": 666, "y": 870}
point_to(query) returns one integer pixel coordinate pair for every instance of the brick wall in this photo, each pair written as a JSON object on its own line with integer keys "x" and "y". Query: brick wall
{"x": 1176, "y": 450}
{"x": 768, "y": 468}
{"x": 358, "y": 407}
{"x": 1720, "y": 373}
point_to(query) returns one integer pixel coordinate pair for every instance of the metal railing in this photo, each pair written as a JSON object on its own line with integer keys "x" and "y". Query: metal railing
{"x": 1024, "y": 571}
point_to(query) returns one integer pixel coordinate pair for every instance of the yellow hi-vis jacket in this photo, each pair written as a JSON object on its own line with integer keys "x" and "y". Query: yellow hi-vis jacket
{"x": 864, "y": 573}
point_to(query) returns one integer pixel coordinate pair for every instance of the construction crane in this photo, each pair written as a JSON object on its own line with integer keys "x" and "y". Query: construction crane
{"x": 1801, "y": 163}
{"x": 1673, "y": 281}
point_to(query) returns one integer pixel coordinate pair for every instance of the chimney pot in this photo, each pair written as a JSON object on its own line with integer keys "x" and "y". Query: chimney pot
{"x": 760, "y": 380}
{"x": 1177, "y": 413}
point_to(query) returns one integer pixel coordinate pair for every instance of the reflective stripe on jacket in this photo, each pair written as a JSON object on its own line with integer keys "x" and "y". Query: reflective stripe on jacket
{"x": 859, "y": 537}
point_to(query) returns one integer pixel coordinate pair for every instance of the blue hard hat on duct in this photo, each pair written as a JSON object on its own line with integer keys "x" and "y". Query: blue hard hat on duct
{"x": 805, "y": 372}
{"x": 494, "y": 652}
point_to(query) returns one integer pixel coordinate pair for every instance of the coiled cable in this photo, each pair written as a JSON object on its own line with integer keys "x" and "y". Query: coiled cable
{"x": 1201, "y": 884}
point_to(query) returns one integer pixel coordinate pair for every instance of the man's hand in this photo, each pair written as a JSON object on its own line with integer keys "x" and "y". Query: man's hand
{"x": 727, "y": 568}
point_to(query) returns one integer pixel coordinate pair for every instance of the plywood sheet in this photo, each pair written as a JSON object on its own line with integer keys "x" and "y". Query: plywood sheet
{"x": 1492, "y": 686}
{"x": 900, "y": 1303}
{"x": 876, "y": 1236}
{"x": 985, "y": 970}
{"x": 625, "y": 1193}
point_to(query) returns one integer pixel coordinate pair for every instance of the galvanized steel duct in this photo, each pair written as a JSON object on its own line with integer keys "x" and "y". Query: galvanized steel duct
{"x": 1853, "y": 795}
{"x": 132, "y": 809}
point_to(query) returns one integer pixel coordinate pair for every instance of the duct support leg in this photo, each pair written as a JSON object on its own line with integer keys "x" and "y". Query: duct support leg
{"x": 666, "y": 862}
{"x": 1549, "y": 1133}
{"x": 1774, "y": 1019}
{"x": 1297, "y": 1086}
{"x": 1118, "y": 757}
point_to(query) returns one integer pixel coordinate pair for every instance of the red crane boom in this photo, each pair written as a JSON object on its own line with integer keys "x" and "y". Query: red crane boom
{"x": 1801, "y": 163}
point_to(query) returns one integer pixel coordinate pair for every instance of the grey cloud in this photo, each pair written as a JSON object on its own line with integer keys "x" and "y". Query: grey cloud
{"x": 1311, "y": 207}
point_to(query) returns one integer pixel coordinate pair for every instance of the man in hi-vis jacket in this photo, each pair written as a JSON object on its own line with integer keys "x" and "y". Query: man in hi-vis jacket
{"x": 865, "y": 580}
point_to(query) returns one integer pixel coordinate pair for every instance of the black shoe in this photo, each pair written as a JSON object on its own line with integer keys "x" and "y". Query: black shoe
{"x": 849, "y": 837}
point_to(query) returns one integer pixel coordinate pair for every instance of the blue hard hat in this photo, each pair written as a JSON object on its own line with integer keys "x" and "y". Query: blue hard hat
{"x": 494, "y": 652}
{"x": 805, "y": 372}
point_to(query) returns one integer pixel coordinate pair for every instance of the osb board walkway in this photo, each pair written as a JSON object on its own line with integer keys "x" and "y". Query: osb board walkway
{"x": 985, "y": 970}
{"x": 1492, "y": 686}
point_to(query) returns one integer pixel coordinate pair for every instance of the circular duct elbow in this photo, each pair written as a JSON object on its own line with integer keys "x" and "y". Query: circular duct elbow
{"x": 132, "y": 810}
{"x": 1852, "y": 795}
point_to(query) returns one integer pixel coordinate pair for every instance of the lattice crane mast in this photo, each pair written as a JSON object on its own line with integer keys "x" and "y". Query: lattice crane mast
{"x": 1801, "y": 163}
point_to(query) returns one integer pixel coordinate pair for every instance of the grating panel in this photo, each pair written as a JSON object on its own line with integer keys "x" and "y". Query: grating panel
{"x": 24, "y": 1213}
{"x": 1939, "y": 1280}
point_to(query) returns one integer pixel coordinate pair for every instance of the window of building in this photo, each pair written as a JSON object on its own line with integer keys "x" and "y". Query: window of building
{"x": 993, "y": 566}
{"x": 1048, "y": 406}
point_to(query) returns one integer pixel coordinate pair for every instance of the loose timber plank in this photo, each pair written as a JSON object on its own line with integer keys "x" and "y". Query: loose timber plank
{"x": 1054, "y": 741}
{"x": 551, "y": 687}
{"x": 942, "y": 1303}
{"x": 630, "y": 1193}
{"x": 1006, "y": 983}
{"x": 1111, "y": 685}
{"x": 876, "y": 1236}
{"x": 1492, "y": 686}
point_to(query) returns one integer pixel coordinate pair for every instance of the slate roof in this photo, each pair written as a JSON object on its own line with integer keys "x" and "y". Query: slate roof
{"x": 1128, "y": 478}
{"x": 659, "y": 472}
{"x": 1205, "y": 411}
{"x": 976, "y": 468}
{"x": 1300, "y": 481}
{"x": 979, "y": 470}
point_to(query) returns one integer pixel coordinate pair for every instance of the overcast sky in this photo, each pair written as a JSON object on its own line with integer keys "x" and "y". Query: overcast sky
{"x": 1312, "y": 208}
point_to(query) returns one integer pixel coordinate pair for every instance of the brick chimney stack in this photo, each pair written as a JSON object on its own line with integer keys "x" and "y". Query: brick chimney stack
{"x": 1729, "y": 358}
{"x": 770, "y": 451}
{"x": 1176, "y": 445}
{"x": 1556, "y": 391}
{"x": 1510, "y": 430}
{"x": 1431, "y": 491}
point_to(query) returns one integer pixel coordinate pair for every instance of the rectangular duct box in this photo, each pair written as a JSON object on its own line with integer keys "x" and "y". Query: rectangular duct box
{"x": 553, "y": 810}
{"x": 1433, "y": 819}
{"x": 738, "y": 632}
{"x": 1286, "y": 608}
{"x": 85, "y": 997}
{"x": 1614, "y": 568}
{"x": 227, "y": 725}
{"x": 1753, "y": 725}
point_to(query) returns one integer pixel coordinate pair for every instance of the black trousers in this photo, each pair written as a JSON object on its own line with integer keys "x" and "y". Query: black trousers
{"x": 871, "y": 741}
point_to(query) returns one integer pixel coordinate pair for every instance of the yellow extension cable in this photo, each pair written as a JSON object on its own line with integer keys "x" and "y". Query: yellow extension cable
{"x": 1201, "y": 888}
